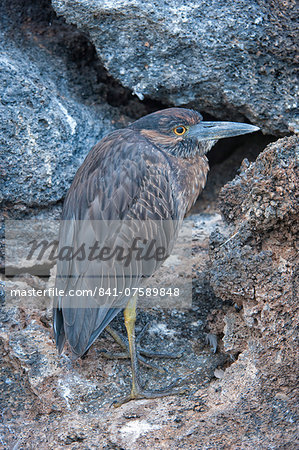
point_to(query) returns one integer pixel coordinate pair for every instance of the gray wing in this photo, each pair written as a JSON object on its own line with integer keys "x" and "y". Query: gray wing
{"x": 122, "y": 191}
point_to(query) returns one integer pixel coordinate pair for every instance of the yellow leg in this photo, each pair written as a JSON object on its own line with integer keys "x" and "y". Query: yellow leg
{"x": 130, "y": 319}
{"x": 137, "y": 391}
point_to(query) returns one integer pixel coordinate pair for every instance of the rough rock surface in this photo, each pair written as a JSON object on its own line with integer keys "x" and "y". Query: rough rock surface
{"x": 231, "y": 61}
{"x": 51, "y": 113}
{"x": 46, "y": 131}
{"x": 254, "y": 263}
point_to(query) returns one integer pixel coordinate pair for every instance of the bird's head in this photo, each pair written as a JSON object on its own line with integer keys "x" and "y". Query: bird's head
{"x": 181, "y": 132}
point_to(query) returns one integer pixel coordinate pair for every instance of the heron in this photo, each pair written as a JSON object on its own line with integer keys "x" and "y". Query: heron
{"x": 137, "y": 182}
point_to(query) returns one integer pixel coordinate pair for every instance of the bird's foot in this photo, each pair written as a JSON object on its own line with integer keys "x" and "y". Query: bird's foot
{"x": 139, "y": 393}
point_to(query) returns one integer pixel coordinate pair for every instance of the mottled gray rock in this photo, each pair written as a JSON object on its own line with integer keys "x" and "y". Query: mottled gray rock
{"x": 45, "y": 133}
{"x": 50, "y": 115}
{"x": 231, "y": 61}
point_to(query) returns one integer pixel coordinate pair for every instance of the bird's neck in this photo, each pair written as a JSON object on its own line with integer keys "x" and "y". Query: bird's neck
{"x": 190, "y": 176}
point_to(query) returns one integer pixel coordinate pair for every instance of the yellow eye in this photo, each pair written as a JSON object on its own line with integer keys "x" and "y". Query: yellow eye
{"x": 180, "y": 130}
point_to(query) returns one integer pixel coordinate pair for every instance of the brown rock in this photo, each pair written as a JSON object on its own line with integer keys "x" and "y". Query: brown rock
{"x": 254, "y": 264}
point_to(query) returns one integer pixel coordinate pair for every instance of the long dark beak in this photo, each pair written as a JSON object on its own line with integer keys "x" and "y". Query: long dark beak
{"x": 206, "y": 131}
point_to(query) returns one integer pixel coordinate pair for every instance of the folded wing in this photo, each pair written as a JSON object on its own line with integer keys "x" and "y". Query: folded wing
{"x": 121, "y": 193}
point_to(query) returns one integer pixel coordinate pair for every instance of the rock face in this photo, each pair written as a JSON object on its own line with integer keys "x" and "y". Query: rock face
{"x": 48, "y": 133}
{"x": 260, "y": 251}
{"x": 47, "y": 127}
{"x": 254, "y": 264}
{"x": 230, "y": 61}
